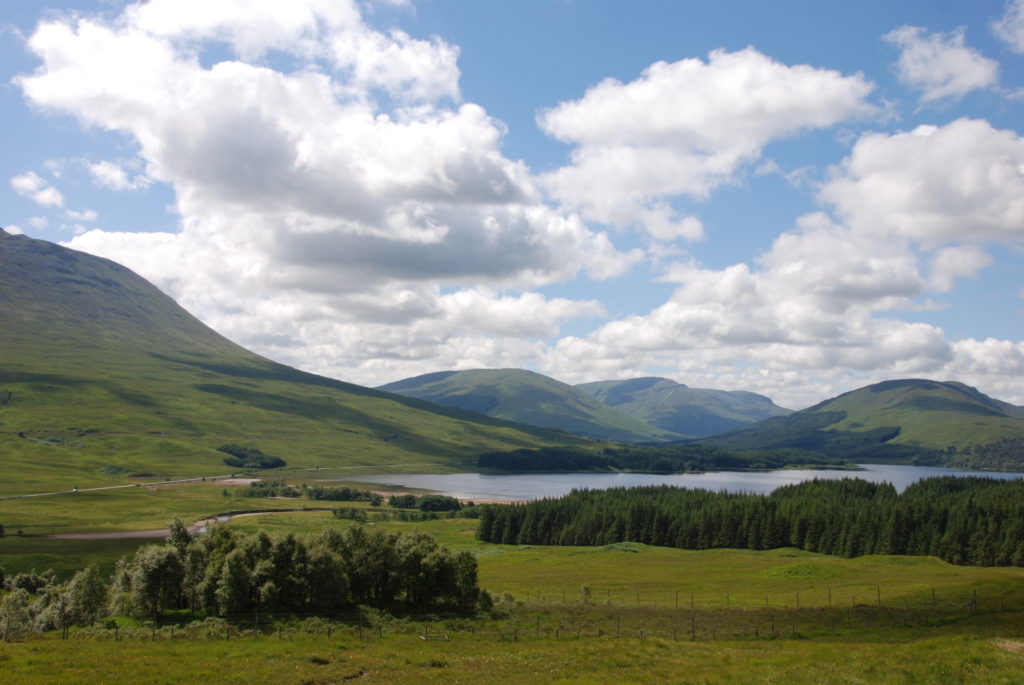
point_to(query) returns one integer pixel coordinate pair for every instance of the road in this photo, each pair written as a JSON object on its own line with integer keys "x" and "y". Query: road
{"x": 73, "y": 491}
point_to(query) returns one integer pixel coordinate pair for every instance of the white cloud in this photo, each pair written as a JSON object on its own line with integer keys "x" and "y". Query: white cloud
{"x": 954, "y": 262}
{"x": 83, "y": 215}
{"x": 1010, "y": 27}
{"x": 113, "y": 175}
{"x": 33, "y": 187}
{"x": 993, "y": 366}
{"x": 820, "y": 311}
{"x": 12, "y": 229}
{"x": 39, "y": 222}
{"x": 352, "y": 216}
{"x": 407, "y": 68}
{"x": 959, "y": 182}
{"x": 309, "y": 203}
{"x": 817, "y": 303}
{"x": 941, "y": 66}
{"x": 684, "y": 129}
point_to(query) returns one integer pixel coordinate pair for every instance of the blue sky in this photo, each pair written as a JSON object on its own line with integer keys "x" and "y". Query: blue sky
{"x": 794, "y": 198}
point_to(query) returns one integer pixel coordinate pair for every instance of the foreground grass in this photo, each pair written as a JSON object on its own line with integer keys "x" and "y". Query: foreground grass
{"x": 480, "y": 658}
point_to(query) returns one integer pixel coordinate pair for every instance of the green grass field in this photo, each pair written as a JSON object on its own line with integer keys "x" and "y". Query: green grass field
{"x": 479, "y": 658}
{"x": 756, "y": 617}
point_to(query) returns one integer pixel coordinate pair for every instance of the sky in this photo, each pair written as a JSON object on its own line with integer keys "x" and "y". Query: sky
{"x": 796, "y": 198}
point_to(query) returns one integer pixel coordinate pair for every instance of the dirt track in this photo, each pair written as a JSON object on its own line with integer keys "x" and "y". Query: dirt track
{"x": 195, "y": 528}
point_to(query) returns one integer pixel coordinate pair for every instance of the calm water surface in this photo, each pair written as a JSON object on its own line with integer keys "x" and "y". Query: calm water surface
{"x": 527, "y": 486}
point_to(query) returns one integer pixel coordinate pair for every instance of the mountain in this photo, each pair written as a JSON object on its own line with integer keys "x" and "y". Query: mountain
{"x": 912, "y": 420}
{"x": 674, "y": 407}
{"x": 103, "y": 376}
{"x": 531, "y": 398}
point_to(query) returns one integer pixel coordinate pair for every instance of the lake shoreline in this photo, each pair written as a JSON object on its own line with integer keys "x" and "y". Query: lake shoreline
{"x": 533, "y": 485}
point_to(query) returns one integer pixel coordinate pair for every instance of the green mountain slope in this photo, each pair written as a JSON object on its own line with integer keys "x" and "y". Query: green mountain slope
{"x": 692, "y": 412}
{"x": 920, "y": 421}
{"x": 531, "y": 398}
{"x": 103, "y": 376}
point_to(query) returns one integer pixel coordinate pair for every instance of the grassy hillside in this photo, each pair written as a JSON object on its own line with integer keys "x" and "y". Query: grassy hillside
{"x": 692, "y": 412}
{"x": 103, "y": 377}
{"x": 531, "y": 398}
{"x": 920, "y": 421}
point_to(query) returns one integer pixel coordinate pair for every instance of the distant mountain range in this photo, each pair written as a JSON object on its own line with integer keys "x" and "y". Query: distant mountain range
{"x": 531, "y": 398}
{"x": 102, "y": 376}
{"x": 636, "y": 410}
{"x": 685, "y": 411}
{"x": 905, "y": 421}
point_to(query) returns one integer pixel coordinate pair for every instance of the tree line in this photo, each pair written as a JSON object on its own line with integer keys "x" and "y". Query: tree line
{"x": 974, "y": 520}
{"x": 675, "y": 458}
{"x": 225, "y": 573}
{"x": 279, "y": 488}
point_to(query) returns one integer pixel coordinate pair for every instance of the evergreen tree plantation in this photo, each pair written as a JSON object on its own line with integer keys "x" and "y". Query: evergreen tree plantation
{"x": 978, "y": 521}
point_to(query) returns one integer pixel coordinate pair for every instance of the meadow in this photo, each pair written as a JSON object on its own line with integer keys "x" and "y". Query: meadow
{"x": 616, "y": 614}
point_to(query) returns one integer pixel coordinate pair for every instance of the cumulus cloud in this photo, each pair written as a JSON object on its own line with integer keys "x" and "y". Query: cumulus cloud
{"x": 684, "y": 129}
{"x": 823, "y": 307}
{"x": 819, "y": 302}
{"x": 33, "y": 187}
{"x": 350, "y": 214}
{"x": 934, "y": 184}
{"x": 114, "y": 176}
{"x": 941, "y": 65}
{"x": 994, "y": 366}
{"x": 354, "y": 188}
{"x": 954, "y": 262}
{"x": 1010, "y": 27}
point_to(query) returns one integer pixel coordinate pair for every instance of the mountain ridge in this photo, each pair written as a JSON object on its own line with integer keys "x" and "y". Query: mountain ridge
{"x": 528, "y": 397}
{"x": 911, "y": 420}
{"x": 675, "y": 407}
